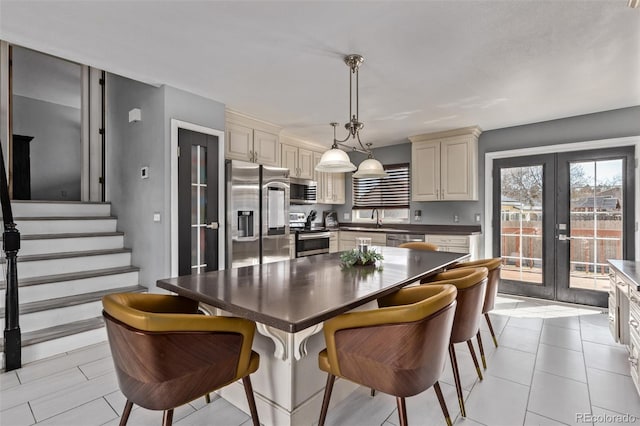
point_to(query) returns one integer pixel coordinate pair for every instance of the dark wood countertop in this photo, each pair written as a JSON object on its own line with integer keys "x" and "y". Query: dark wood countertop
{"x": 295, "y": 294}
{"x": 628, "y": 268}
{"x": 416, "y": 229}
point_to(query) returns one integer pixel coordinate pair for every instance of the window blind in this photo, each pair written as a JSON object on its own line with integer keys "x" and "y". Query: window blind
{"x": 391, "y": 192}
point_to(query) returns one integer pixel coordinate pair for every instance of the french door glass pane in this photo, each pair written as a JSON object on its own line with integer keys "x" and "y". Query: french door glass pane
{"x": 521, "y": 226}
{"x": 198, "y": 208}
{"x": 596, "y": 221}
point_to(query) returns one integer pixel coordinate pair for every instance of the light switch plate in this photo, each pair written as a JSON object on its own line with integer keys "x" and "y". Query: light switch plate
{"x": 477, "y": 217}
{"x": 156, "y": 217}
{"x": 345, "y": 216}
{"x": 144, "y": 172}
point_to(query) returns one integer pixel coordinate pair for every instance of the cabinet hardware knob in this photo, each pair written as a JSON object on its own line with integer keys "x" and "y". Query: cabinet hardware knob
{"x": 633, "y": 361}
{"x": 633, "y": 323}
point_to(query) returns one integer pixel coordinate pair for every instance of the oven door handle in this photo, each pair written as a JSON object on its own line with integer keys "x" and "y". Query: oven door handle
{"x": 314, "y": 236}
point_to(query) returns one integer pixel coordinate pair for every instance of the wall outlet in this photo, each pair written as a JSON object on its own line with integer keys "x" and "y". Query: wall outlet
{"x": 456, "y": 218}
{"x": 156, "y": 217}
{"x": 144, "y": 172}
{"x": 346, "y": 216}
{"x": 477, "y": 218}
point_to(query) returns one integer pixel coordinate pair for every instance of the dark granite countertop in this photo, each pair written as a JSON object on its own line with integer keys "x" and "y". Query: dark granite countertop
{"x": 413, "y": 229}
{"x": 295, "y": 294}
{"x": 628, "y": 268}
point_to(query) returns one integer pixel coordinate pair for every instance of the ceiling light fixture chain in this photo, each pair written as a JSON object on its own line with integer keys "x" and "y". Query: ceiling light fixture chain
{"x": 336, "y": 160}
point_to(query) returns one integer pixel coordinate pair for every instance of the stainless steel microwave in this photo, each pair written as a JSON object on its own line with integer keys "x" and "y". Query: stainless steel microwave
{"x": 303, "y": 191}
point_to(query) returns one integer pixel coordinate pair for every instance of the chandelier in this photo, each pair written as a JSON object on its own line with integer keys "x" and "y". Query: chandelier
{"x": 336, "y": 160}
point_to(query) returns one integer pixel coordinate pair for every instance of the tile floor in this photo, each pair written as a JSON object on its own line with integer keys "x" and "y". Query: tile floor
{"x": 554, "y": 362}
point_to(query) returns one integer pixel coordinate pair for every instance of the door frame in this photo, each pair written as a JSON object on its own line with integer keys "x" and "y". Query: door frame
{"x": 577, "y": 146}
{"x": 173, "y": 160}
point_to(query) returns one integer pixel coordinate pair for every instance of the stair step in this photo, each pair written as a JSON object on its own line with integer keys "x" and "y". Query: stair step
{"x": 58, "y": 331}
{"x": 72, "y": 276}
{"x": 59, "y": 208}
{"x": 62, "y": 302}
{"x": 31, "y": 266}
{"x": 69, "y": 235}
{"x": 65, "y": 224}
{"x": 52, "y": 243}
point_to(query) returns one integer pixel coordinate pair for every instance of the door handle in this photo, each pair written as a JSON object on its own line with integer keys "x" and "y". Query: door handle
{"x": 212, "y": 225}
{"x": 563, "y": 237}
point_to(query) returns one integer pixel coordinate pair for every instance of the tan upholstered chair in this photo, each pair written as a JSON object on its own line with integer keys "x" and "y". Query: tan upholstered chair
{"x": 493, "y": 265}
{"x": 165, "y": 354}
{"x": 471, "y": 284}
{"x": 399, "y": 350}
{"x": 419, "y": 245}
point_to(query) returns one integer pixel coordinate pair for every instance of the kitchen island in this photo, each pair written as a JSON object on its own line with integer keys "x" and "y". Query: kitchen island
{"x": 289, "y": 301}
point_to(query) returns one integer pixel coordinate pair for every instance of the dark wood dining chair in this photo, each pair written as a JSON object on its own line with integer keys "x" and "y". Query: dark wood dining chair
{"x": 166, "y": 354}
{"x": 399, "y": 350}
{"x": 471, "y": 284}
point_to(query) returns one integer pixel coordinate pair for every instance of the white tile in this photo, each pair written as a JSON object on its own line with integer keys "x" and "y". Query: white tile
{"x": 223, "y": 412}
{"x": 8, "y": 380}
{"x": 600, "y": 319}
{"x": 520, "y": 338}
{"x": 558, "y": 398}
{"x": 361, "y": 409}
{"x": 561, "y": 362}
{"x": 116, "y": 400}
{"x": 562, "y": 337}
{"x": 572, "y": 322}
{"x": 612, "y": 418}
{"x": 95, "y": 412}
{"x": 605, "y": 357}
{"x": 462, "y": 421}
{"x": 613, "y": 392}
{"x": 498, "y": 322}
{"x": 97, "y": 368}
{"x": 495, "y": 401}
{"x": 468, "y": 374}
{"x": 511, "y": 364}
{"x": 424, "y": 408}
{"x": 533, "y": 419}
{"x": 596, "y": 334}
{"x": 528, "y": 323}
{"x": 40, "y": 387}
{"x": 74, "y": 396}
{"x": 201, "y": 402}
{"x": 39, "y": 369}
{"x": 20, "y": 415}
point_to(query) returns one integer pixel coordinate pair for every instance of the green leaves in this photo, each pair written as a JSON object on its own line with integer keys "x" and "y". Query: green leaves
{"x": 358, "y": 258}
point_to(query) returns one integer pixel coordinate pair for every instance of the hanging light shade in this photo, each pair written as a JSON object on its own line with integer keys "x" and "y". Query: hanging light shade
{"x": 370, "y": 168}
{"x": 336, "y": 160}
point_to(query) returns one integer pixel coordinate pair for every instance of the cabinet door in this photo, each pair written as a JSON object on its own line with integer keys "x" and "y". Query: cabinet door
{"x": 305, "y": 163}
{"x": 425, "y": 171}
{"x": 239, "y": 143}
{"x": 319, "y": 177}
{"x": 289, "y": 158}
{"x": 338, "y": 183}
{"x": 458, "y": 180}
{"x": 266, "y": 148}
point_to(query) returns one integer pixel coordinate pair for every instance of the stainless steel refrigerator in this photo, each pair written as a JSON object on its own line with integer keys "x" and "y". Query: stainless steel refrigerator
{"x": 257, "y": 214}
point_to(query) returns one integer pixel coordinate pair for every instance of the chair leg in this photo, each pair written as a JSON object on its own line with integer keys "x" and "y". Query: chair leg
{"x": 475, "y": 359}
{"x": 167, "y": 419}
{"x": 443, "y": 403}
{"x": 373, "y": 392}
{"x": 207, "y": 398}
{"x": 125, "y": 413}
{"x": 484, "y": 361}
{"x": 456, "y": 378}
{"x": 248, "y": 389}
{"x": 327, "y": 397}
{"x": 493, "y": 335}
{"x": 402, "y": 411}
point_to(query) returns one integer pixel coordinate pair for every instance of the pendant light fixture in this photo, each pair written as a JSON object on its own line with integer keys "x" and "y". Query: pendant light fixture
{"x": 336, "y": 159}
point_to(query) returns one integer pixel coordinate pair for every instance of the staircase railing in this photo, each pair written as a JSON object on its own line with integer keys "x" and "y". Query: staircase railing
{"x": 10, "y": 245}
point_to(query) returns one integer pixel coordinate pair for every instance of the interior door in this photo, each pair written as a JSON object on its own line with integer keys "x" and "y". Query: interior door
{"x": 557, "y": 218}
{"x": 197, "y": 202}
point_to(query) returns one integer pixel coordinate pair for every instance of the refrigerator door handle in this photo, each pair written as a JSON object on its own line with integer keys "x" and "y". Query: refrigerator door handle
{"x": 212, "y": 225}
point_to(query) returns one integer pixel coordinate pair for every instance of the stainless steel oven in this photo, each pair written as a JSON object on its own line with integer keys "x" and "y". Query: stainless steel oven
{"x": 311, "y": 242}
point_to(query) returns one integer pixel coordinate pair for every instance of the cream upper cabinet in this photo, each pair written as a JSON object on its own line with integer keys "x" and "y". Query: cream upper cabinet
{"x": 298, "y": 160}
{"x": 444, "y": 165}
{"x": 252, "y": 140}
{"x": 331, "y": 188}
{"x": 289, "y": 158}
{"x": 305, "y": 163}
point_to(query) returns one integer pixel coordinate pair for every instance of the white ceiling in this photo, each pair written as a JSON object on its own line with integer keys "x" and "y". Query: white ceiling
{"x": 429, "y": 65}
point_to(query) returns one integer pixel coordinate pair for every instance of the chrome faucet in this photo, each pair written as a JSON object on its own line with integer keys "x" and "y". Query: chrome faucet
{"x": 378, "y": 221}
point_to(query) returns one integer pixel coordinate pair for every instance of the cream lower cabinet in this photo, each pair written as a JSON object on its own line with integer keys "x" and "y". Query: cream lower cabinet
{"x": 444, "y": 165}
{"x": 333, "y": 241}
{"x": 292, "y": 245}
{"x": 348, "y": 239}
{"x": 251, "y": 140}
{"x": 456, "y": 243}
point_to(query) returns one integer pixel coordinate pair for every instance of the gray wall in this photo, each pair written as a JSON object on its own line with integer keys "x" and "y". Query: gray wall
{"x": 55, "y": 148}
{"x": 147, "y": 143}
{"x": 602, "y": 125}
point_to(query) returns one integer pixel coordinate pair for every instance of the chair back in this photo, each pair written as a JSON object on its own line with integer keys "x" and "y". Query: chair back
{"x": 471, "y": 284}
{"x": 404, "y": 353}
{"x": 161, "y": 359}
{"x": 419, "y": 245}
{"x": 493, "y": 280}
